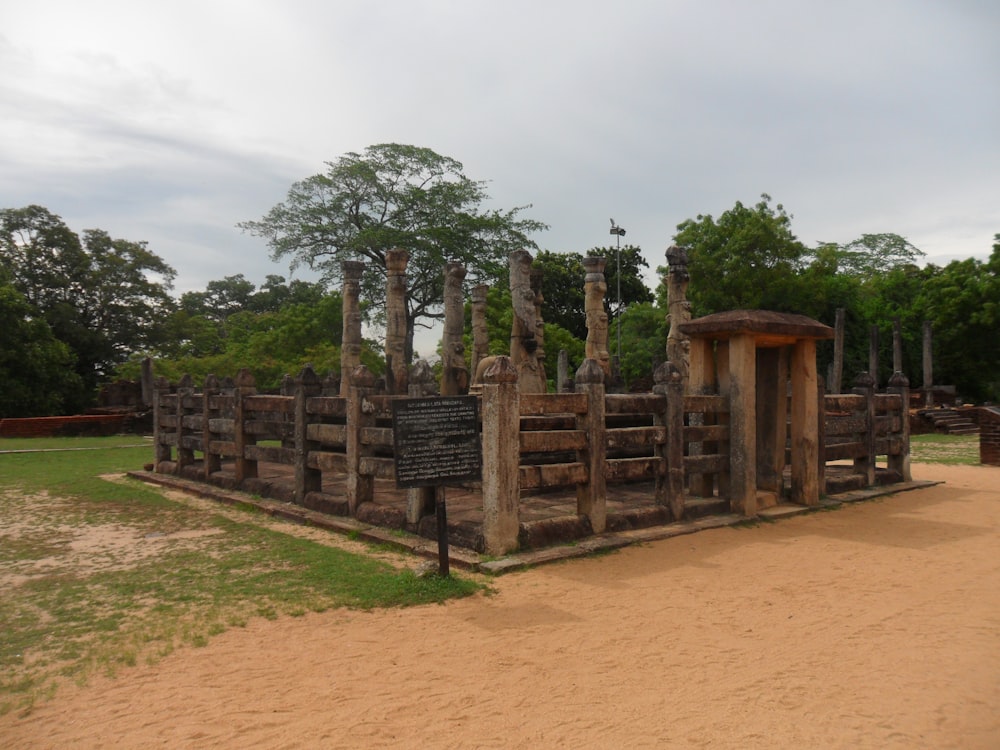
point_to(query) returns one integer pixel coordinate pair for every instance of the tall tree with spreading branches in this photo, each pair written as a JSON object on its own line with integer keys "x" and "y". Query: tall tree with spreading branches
{"x": 394, "y": 195}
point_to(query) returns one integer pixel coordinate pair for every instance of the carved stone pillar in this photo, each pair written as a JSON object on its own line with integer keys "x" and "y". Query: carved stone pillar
{"x": 395, "y": 321}
{"x": 454, "y": 374}
{"x": 480, "y": 335}
{"x": 523, "y": 333}
{"x": 595, "y": 287}
{"x": 350, "y": 346}
{"x": 536, "y": 275}
{"x": 678, "y": 311}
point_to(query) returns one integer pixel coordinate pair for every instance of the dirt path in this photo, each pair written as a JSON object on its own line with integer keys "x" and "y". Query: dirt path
{"x": 874, "y": 626}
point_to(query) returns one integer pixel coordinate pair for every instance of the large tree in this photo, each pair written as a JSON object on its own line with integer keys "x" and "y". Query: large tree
{"x": 746, "y": 259}
{"x": 394, "y": 195}
{"x": 104, "y": 298}
{"x": 35, "y": 368}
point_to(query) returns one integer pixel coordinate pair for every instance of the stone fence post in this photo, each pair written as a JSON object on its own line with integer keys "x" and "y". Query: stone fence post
{"x": 185, "y": 454}
{"x": 245, "y": 386}
{"x": 900, "y": 462}
{"x": 501, "y": 457}
{"x": 307, "y": 479}
{"x": 591, "y": 498}
{"x": 670, "y": 488}
{"x": 360, "y": 414}
{"x": 212, "y": 461}
{"x": 864, "y": 385}
{"x": 161, "y": 445}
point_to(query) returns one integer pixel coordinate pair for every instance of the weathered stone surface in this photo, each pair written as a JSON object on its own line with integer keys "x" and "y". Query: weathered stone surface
{"x": 756, "y": 322}
{"x": 595, "y": 288}
{"x": 395, "y": 314}
{"x": 524, "y": 331}
{"x": 454, "y": 373}
{"x": 679, "y": 310}
{"x": 480, "y": 335}
{"x": 350, "y": 349}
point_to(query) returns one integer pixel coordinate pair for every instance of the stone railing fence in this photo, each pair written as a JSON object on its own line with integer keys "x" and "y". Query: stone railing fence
{"x": 338, "y": 447}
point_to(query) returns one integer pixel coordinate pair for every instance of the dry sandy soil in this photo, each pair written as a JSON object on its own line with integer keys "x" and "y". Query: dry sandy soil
{"x": 874, "y": 626}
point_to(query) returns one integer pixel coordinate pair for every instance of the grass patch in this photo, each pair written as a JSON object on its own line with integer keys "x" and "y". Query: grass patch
{"x": 56, "y": 443}
{"x": 934, "y": 448}
{"x": 99, "y": 575}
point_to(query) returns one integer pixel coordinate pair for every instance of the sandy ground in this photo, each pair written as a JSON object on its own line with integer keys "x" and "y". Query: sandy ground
{"x": 874, "y": 626}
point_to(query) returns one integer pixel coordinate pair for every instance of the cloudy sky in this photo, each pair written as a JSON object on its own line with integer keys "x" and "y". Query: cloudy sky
{"x": 172, "y": 122}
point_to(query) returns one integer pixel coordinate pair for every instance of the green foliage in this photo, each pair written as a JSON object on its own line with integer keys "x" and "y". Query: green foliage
{"x": 556, "y": 338}
{"x": 644, "y": 342}
{"x": 36, "y": 369}
{"x": 562, "y": 290}
{"x": 563, "y": 285}
{"x": 394, "y": 195}
{"x": 962, "y": 301}
{"x": 103, "y": 298}
{"x": 747, "y": 259}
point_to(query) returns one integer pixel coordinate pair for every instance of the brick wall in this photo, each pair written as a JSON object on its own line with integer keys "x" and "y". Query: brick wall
{"x": 989, "y": 435}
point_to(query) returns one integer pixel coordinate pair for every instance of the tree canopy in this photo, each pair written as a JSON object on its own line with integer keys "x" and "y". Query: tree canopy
{"x": 103, "y": 298}
{"x": 395, "y": 195}
{"x": 748, "y": 258}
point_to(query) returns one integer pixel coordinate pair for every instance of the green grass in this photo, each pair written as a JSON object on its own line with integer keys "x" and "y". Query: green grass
{"x": 55, "y": 443}
{"x": 945, "y": 449}
{"x": 97, "y": 575}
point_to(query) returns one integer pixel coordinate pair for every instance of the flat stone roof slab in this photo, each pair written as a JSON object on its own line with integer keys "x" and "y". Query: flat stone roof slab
{"x": 764, "y": 323}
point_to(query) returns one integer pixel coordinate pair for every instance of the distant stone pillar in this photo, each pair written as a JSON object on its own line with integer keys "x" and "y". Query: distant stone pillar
{"x": 679, "y": 311}
{"x": 897, "y": 346}
{"x": 838, "y": 352}
{"x": 873, "y": 355}
{"x": 350, "y": 343}
{"x": 147, "y": 382}
{"x": 454, "y": 373}
{"x": 480, "y": 335}
{"x": 523, "y": 335}
{"x": 928, "y": 367}
{"x": 562, "y": 372}
{"x": 395, "y": 314}
{"x": 535, "y": 276}
{"x": 594, "y": 289}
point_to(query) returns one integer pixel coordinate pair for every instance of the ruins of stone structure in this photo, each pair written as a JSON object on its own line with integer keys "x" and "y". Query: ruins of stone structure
{"x": 395, "y": 315}
{"x": 536, "y": 275}
{"x": 679, "y": 310}
{"x": 595, "y": 287}
{"x": 454, "y": 374}
{"x": 524, "y": 332}
{"x": 350, "y": 346}
{"x": 480, "y": 334}
{"x": 759, "y": 355}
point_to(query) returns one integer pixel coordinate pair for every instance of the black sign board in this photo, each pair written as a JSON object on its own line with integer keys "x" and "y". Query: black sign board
{"x": 436, "y": 440}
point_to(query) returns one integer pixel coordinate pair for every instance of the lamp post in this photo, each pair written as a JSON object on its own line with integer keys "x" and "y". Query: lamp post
{"x": 619, "y": 233}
